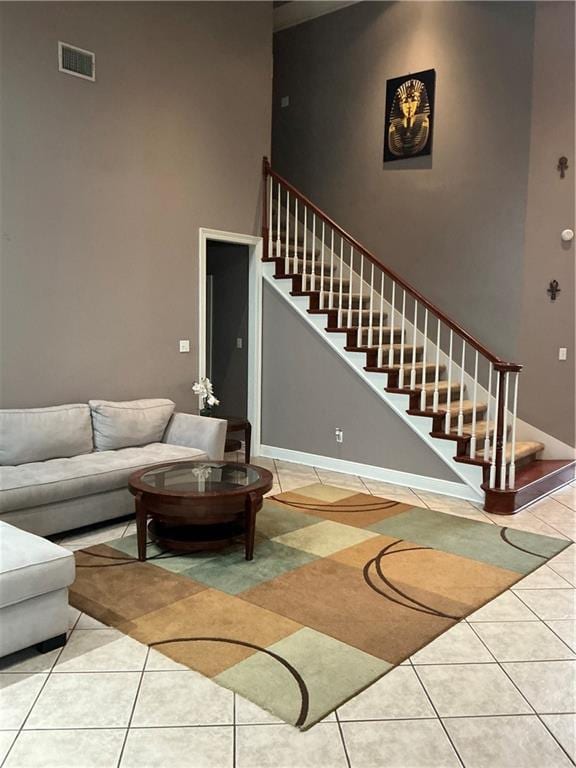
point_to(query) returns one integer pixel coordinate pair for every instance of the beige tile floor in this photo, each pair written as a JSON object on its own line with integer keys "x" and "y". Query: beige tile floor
{"x": 496, "y": 691}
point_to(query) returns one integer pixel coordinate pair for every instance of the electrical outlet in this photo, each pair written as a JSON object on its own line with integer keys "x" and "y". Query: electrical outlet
{"x": 339, "y": 435}
{"x": 184, "y": 345}
{"x": 563, "y": 353}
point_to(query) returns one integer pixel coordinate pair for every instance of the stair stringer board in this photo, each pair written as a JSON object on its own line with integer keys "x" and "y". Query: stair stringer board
{"x": 471, "y": 475}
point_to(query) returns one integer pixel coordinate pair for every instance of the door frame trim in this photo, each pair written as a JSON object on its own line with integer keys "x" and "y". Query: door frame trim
{"x": 255, "y": 250}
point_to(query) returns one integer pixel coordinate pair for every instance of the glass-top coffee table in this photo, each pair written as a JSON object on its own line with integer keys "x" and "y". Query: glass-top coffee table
{"x": 194, "y": 505}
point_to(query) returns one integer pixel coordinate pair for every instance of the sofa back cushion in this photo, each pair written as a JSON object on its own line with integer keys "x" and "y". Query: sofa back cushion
{"x": 37, "y": 434}
{"x": 134, "y": 422}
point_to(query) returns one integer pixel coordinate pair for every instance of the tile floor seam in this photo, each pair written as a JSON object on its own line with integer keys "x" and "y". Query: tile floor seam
{"x": 23, "y": 723}
{"x": 234, "y": 696}
{"x": 527, "y": 700}
{"x": 542, "y": 621}
{"x": 438, "y": 718}
{"x": 121, "y": 755}
{"x": 344, "y": 747}
{"x": 559, "y": 501}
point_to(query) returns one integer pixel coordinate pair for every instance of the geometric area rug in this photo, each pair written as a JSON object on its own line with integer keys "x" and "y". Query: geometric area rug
{"x": 344, "y": 586}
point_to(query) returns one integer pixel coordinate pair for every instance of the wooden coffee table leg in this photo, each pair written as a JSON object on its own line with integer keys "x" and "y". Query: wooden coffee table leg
{"x": 250, "y": 523}
{"x": 141, "y": 519}
{"x": 247, "y": 442}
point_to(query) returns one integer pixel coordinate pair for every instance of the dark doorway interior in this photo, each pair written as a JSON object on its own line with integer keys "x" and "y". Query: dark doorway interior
{"x": 227, "y": 325}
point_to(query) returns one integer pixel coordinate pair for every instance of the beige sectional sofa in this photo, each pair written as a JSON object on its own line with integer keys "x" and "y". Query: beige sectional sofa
{"x": 67, "y": 466}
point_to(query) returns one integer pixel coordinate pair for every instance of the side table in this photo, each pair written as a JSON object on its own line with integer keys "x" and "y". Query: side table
{"x": 238, "y": 424}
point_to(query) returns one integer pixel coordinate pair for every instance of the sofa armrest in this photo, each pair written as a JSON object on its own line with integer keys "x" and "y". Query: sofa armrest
{"x": 206, "y": 433}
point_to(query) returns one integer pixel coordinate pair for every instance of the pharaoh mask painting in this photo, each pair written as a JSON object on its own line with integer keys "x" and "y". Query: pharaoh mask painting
{"x": 409, "y": 116}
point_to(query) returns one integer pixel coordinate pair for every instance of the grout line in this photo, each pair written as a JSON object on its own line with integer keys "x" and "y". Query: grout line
{"x": 559, "y": 501}
{"x": 500, "y": 664}
{"x": 234, "y": 729}
{"x": 461, "y": 761}
{"x": 447, "y": 717}
{"x": 346, "y": 755}
{"x": 32, "y": 705}
{"x": 120, "y": 756}
{"x": 543, "y": 621}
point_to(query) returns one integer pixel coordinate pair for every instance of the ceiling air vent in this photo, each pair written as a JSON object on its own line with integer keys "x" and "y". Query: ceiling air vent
{"x": 76, "y": 61}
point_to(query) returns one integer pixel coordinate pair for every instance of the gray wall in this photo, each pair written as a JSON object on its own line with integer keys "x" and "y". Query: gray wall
{"x": 454, "y": 225}
{"x": 228, "y": 265}
{"x": 547, "y": 394}
{"x": 105, "y": 185}
{"x": 308, "y": 391}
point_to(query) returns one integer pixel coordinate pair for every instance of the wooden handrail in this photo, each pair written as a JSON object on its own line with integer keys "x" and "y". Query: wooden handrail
{"x": 499, "y": 364}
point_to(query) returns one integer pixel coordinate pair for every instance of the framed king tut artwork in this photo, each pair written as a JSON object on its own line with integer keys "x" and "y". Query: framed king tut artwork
{"x": 409, "y": 115}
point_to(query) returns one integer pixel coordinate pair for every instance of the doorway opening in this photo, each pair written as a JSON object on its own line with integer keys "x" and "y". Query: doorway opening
{"x": 227, "y": 325}
{"x": 229, "y": 317}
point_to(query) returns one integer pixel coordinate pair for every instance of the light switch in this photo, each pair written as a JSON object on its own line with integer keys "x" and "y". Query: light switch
{"x": 239, "y": 343}
{"x": 285, "y": 101}
{"x": 562, "y": 353}
{"x": 184, "y": 345}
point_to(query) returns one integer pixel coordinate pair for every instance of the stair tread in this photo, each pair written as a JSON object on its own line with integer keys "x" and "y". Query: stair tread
{"x": 539, "y": 469}
{"x": 522, "y": 451}
{"x": 442, "y": 386}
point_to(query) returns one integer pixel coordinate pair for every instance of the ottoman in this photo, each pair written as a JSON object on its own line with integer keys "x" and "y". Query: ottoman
{"x": 34, "y": 578}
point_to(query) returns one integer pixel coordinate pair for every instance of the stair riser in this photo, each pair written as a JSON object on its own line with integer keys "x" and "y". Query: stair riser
{"x": 394, "y": 377}
{"x": 355, "y": 303}
{"x": 304, "y": 282}
{"x": 352, "y": 339}
{"x": 352, "y": 317}
{"x": 372, "y": 356}
{"x": 297, "y": 269}
{"x": 415, "y": 398}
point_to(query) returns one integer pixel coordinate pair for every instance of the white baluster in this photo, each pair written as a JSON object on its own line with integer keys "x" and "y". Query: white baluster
{"x": 322, "y": 266}
{"x": 331, "y": 300}
{"x": 423, "y": 392}
{"x": 474, "y": 398}
{"x": 414, "y": 342}
{"x": 494, "y": 441}
{"x": 295, "y": 254}
{"x": 504, "y": 435}
{"x": 370, "y": 309}
{"x": 512, "y": 470}
{"x": 313, "y": 270}
{"x": 270, "y": 219}
{"x": 461, "y": 406}
{"x": 287, "y": 250}
{"x": 448, "y": 421}
{"x": 359, "y": 332}
{"x": 436, "y": 396}
{"x": 305, "y": 251}
{"x": 351, "y": 277}
{"x": 278, "y": 208}
{"x": 380, "y": 351}
{"x": 341, "y": 287}
{"x": 402, "y": 340}
{"x": 392, "y": 313}
{"x": 487, "y": 437}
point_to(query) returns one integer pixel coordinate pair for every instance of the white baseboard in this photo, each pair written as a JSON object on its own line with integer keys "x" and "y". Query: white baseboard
{"x": 420, "y": 482}
{"x": 555, "y": 449}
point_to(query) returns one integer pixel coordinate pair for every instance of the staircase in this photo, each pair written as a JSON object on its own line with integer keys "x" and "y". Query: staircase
{"x": 461, "y": 398}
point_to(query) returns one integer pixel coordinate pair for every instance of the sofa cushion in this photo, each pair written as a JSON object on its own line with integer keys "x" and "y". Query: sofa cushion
{"x": 36, "y": 434}
{"x": 134, "y": 422}
{"x": 30, "y": 485}
{"x": 31, "y": 566}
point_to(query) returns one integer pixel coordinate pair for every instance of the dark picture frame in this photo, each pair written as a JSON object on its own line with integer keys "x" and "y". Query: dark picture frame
{"x": 409, "y": 116}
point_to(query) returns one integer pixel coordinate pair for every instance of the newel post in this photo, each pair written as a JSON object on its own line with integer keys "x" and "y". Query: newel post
{"x": 499, "y": 437}
{"x": 265, "y": 229}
